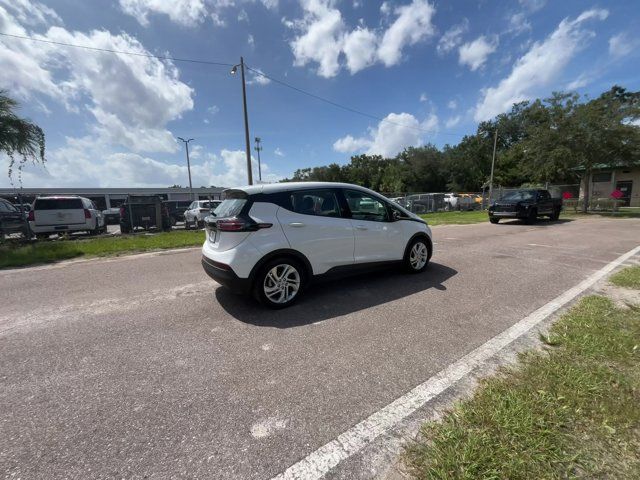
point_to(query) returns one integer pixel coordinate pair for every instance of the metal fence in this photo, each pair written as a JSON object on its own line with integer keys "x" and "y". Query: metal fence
{"x": 427, "y": 202}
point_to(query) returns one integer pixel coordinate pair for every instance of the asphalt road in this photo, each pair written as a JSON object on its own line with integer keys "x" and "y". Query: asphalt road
{"x": 141, "y": 367}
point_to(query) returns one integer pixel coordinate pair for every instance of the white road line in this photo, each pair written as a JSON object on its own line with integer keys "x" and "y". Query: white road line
{"x": 317, "y": 464}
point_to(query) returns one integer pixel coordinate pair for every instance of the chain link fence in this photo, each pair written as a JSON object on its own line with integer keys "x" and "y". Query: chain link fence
{"x": 428, "y": 202}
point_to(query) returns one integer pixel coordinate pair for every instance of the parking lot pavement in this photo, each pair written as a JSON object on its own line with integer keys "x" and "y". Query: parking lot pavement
{"x": 139, "y": 366}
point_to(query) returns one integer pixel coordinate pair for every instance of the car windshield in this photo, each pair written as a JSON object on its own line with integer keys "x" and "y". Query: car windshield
{"x": 205, "y": 204}
{"x": 520, "y": 195}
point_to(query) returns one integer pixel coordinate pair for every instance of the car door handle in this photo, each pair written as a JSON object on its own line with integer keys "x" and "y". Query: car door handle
{"x": 361, "y": 227}
{"x": 296, "y": 224}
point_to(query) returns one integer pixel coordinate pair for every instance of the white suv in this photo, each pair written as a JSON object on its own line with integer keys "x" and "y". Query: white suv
{"x": 65, "y": 214}
{"x": 196, "y": 213}
{"x": 273, "y": 240}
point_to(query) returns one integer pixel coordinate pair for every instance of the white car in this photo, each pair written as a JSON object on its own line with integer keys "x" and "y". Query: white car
{"x": 65, "y": 214}
{"x": 196, "y": 213}
{"x": 273, "y": 240}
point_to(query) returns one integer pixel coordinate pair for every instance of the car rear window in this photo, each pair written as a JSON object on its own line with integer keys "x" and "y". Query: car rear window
{"x": 58, "y": 204}
{"x": 230, "y": 207}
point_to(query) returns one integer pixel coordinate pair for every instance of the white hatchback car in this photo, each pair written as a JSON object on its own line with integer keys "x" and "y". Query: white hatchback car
{"x": 273, "y": 240}
{"x": 65, "y": 214}
{"x": 196, "y": 213}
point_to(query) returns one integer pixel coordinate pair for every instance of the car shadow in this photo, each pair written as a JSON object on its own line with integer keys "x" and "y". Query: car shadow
{"x": 328, "y": 299}
{"x": 542, "y": 222}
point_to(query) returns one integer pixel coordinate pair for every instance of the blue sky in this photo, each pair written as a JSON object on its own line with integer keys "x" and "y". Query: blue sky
{"x": 430, "y": 69}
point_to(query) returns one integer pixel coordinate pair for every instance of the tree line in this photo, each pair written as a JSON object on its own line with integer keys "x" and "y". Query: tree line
{"x": 556, "y": 140}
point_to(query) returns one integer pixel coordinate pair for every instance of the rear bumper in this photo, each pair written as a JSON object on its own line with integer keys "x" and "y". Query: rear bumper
{"x": 78, "y": 227}
{"x": 225, "y": 277}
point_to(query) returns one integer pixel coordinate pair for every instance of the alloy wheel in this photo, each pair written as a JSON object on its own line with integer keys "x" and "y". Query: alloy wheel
{"x": 418, "y": 255}
{"x": 281, "y": 283}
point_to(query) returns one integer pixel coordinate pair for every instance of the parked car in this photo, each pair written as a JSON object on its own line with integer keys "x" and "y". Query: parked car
{"x": 111, "y": 215}
{"x": 176, "y": 210}
{"x": 274, "y": 240}
{"x": 144, "y": 211}
{"x": 11, "y": 219}
{"x": 196, "y": 213}
{"x": 527, "y": 205}
{"x": 458, "y": 201}
{"x": 65, "y": 214}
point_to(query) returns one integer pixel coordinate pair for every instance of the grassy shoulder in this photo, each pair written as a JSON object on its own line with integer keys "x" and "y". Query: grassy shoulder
{"x": 455, "y": 218}
{"x": 53, "y": 251}
{"x": 628, "y": 277}
{"x": 569, "y": 411}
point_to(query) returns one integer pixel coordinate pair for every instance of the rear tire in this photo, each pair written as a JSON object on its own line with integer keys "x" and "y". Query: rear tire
{"x": 555, "y": 215}
{"x": 279, "y": 282}
{"x": 417, "y": 256}
{"x": 532, "y": 217}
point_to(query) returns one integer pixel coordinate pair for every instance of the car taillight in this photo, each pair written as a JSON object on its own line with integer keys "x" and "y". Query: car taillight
{"x": 32, "y": 216}
{"x": 87, "y": 213}
{"x": 122, "y": 212}
{"x": 239, "y": 225}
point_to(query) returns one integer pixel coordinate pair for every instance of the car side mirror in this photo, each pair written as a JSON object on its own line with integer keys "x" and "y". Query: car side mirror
{"x": 395, "y": 215}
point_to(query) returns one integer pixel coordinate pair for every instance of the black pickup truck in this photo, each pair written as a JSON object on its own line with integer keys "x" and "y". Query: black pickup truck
{"x": 527, "y": 205}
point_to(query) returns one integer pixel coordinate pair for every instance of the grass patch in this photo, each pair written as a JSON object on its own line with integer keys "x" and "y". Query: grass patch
{"x": 628, "y": 277}
{"x": 52, "y": 251}
{"x": 570, "y": 411}
{"x": 456, "y": 218}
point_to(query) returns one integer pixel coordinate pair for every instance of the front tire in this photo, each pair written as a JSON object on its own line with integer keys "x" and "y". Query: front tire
{"x": 532, "y": 217}
{"x": 279, "y": 283}
{"x": 417, "y": 257}
{"x": 494, "y": 219}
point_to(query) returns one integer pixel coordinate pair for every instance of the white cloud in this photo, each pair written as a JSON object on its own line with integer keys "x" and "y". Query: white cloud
{"x": 452, "y": 104}
{"x": 323, "y": 37}
{"x": 278, "y": 152}
{"x": 80, "y": 164}
{"x": 533, "y": 5}
{"x": 394, "y": 133}
{"x": 582, "y": 81}
{"x": 474, "y": 54}
{"x": 452, "y": 37}
{"x": 423, "y": 97}
{"x": 187, "y": 12}
{"x": 184, "y": 12}
{"x": 321, "y": 40}
{"x": 213, "y": 109}
{"x": 251, "y": 41}
{"x": 453, "y": 121}
{"x": 518, "y": 23}
{"x": 257, "y": 78}
{"x": 131, "y": 98}
{"x": 360, "y": 49}
{"x": 622, "y": 44}
{"x": 539, "y": 66}
{"x": 350, "y": 144}
{"x": 412, "y": 26}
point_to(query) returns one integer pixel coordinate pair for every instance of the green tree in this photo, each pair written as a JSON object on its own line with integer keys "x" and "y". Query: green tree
{"x": 19, "y": 137}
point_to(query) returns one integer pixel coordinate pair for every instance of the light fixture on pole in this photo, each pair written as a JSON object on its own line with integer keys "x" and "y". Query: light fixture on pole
{"x": 186, "y": 146}
{"x": 234, "y": 70}
{"x": 258, "y": 148}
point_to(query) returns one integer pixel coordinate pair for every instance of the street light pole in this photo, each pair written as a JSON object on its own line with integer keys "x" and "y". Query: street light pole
{"x": 246, "y": 118}
{"x": 258, "y": 148}
{"x": 493, "y": 162}
{"x": 186, "y": 146}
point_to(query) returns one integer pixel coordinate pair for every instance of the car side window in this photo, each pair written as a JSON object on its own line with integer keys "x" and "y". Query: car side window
{"x": 543, "y": 195}
{"x": 3, "y": 207}
{"x": 323, "y": 203}
{"x": 365, "y": 207}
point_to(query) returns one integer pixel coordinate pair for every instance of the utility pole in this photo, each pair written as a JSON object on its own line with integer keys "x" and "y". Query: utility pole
{"x": 258, "y": 148}
{"x": 186, "y": 146}
{"x": 246, "y": 118}
{"x": 493, "y": 163}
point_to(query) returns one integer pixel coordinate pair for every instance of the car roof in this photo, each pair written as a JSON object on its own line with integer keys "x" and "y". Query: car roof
{"x": 288, "y": 186}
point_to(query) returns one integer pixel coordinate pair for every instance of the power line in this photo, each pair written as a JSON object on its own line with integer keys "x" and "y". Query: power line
{"x": 108, "y": 50}
{"x": 225, "y": 64}
{"x": 344, "y": 107}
